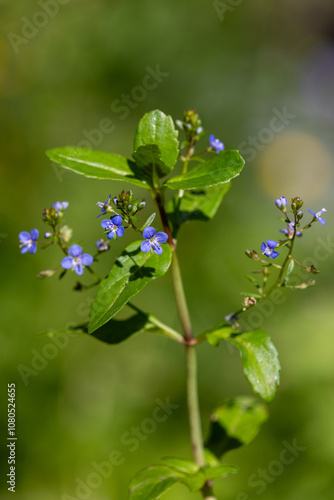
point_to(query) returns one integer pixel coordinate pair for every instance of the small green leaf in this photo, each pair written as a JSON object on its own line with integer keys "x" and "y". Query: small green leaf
{"x": 152, "y": 482}
{"x": 218, "y": 471}
{"x": 222, "y": 168}
{"x": 116, "y": 331}
{"x": 217, "y": 333}
{"x": 149, "y": 221}
{"x": 181, "y": 465}
{"x": 98, "y": 165}
{"x": 235, "y": 423}
{"x": 253, "y": 281}
{"x": 200, "y": 205}
{"x": 128, "y": 276}
{"x": 156, "y": 143}
{"x": 260, "y": 361}
{"x": 258, "y": 356}
{"x": 290, "y": 267}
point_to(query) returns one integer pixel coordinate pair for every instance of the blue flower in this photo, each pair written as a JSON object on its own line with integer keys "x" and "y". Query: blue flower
{"x": 281, "y": 203}
{"x": 268, "y": 249}
{"x": 152, "y": 240}
{"x": 28, "y": 241}
{"x": 60, "y": 205}
{"x": 102, "y": 246}
{"x": 216, "y": 144}
{"x": 290, "y": 230}
{"x": 318, "y": 216}
{"x": 105, "y": 207}
{"x": 77, "y": 259}
{"x": 113, "y": 226}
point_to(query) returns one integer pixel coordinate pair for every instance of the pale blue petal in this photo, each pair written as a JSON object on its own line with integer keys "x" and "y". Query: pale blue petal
{"x": 24, "y": 236}
{"x": 78, "y": 268}
{"x": 75, "y": 250}
{"x": 117, "y": 220}
{"x": 161, "y": 237}
{"x": 67, "y": 263}
{"x": 87, "y": 259}
{"x": 33, "y": 247}
{"x": 111, "y": 234}
{"x": 120, "y": 231}
{"x": 149, "y": 232}
{"x": 145, "y": 246}
{"x": 25, "y": 249}
{"x": 157, "y": 248}
{"x": 34, "y": 234}
{"x": 106, "y": 223}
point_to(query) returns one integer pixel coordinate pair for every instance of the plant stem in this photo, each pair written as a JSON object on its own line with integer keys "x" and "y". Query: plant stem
{"x": 180, "y": 298}
{"x": 190, "y": 345}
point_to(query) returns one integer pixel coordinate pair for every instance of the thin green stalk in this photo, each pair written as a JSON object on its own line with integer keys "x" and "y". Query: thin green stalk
{"x": 180, "y": 298}
{"x": 193, "y": 406}
{"x": 190, "y": 346}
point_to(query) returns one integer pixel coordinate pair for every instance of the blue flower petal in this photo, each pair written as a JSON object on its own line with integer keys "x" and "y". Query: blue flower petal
{"x": 65, "y": 205}
{"x": 78, "y": 268}
{"x": 161, "y": 237}
{"x": 117, "y": 220}
{"x": 34, "y": 234}
{"x": 274, "y": 254}
{"x": 157, "y": 248}
{"x": 24, "y": 236}
{"x": 75, "y": 250}
{"x": 25, "y": 249}
{"x": 106, "y": 223}
{"x": 67, "y": 263}
{"x": 149, "y": 232}
{"x": 145, "y": 246}
{"x": 272, "y": 243}
{"x": 57, "y": 205}
{"x": 322, "y": 221}
{"x": 120, "y": 231}
{"x": 33, "y": 247}
{"x": 314, "y": 214}
{"x": 263, "y": 247}
{"x": 111, "y": 233}
{"x": 87, "y": 259}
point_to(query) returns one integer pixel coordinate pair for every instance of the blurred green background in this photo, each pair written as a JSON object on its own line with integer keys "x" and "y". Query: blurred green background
{"x": 239, "y": 69}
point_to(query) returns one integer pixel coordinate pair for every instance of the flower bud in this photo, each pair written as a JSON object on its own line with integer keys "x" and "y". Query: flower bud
{"x": 296, "y": 204}
{"x": 252, "y": 254}
{"x": 281, "y": 203}
{"x": 46, "y": 274}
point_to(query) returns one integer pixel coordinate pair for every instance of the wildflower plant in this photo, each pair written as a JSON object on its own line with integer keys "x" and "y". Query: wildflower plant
{"x": 196, "y": 195}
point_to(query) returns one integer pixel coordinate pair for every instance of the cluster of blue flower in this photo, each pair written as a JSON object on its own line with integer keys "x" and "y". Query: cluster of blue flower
{"x": 75, "y": 259}
{"x": 268, "y": 249}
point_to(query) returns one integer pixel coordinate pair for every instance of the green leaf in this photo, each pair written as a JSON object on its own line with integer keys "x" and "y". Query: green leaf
{"x": 149, "y": 221}
{"x": 235, "y": 423}
{"x": 260, "y": 362}
{"x": 156, "y": 143}
{"x": 222, "y": 168}
{"x": 98, "y": 165}
{"x": 218, "y": 471}
{"x": 181, "y": 465}
{"x": 152, "y": 482}
{"x": 130, "y": 274}
{"x": 116, "y": 331}
{"x": 200, "y": 205}
{"x": 258, "y": 356}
